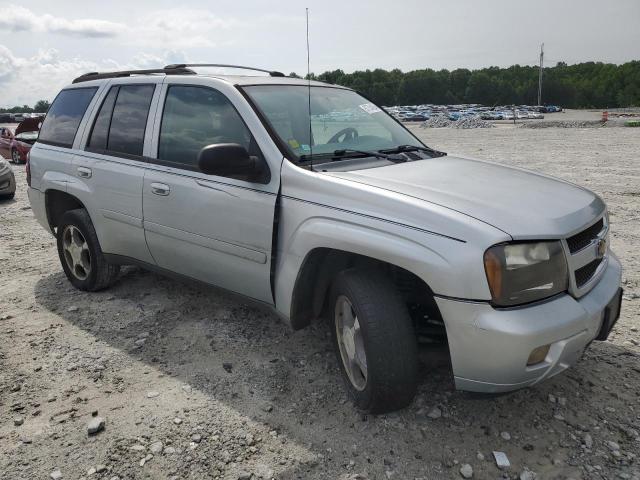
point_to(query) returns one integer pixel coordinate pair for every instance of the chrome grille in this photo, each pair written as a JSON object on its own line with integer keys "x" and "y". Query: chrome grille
{"x": 585, "y": 237}
{"x": 586, "y": 263}
{"x": 584, "y": 274}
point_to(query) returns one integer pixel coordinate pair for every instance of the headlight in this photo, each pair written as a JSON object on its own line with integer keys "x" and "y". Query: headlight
{"x": 525, "y": 272}
{"x": 4, "y": 165}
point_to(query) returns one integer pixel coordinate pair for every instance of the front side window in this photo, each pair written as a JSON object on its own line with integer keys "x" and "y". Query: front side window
{"x": 340, "y": 119}
{"x": 64, "y": 117}
{"x": 195, "y": 117}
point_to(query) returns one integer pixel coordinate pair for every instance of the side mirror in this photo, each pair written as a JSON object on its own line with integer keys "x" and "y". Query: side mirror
{"x": 232, "y": 160}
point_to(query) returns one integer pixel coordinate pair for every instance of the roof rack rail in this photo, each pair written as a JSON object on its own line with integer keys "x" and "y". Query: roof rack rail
{"x": 169, "y": 70}
{"x": 271, "y": 73}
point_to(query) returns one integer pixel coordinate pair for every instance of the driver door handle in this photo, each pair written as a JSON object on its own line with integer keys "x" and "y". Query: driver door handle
{"x": 160, "y": 189}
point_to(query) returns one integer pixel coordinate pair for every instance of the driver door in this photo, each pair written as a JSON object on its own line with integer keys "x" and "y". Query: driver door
{"x": 212, "y": 228}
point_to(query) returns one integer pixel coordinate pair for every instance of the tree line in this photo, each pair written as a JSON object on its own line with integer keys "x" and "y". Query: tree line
{"x": 41, "y": 106}
{"x": 583, "y": 85}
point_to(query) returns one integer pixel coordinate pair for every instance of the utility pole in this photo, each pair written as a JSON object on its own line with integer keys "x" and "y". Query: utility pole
{"x": 540, "y": 74}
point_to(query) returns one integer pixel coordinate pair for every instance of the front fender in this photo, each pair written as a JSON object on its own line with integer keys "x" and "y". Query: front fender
{"x": 383, "y": 245}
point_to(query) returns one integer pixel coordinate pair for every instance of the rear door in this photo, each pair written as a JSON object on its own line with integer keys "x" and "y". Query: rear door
{"x": 213, "y": 228}
{"x": 112, "y": 165}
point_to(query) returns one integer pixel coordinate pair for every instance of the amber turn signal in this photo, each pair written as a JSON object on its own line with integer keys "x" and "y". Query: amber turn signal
{"x": 493, "y": 267}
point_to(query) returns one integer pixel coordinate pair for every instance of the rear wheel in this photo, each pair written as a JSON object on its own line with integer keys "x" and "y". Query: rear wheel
{"x": 80, "y": 254}
{"x": 15, "y": 156}
{"x": 374, "y": 340}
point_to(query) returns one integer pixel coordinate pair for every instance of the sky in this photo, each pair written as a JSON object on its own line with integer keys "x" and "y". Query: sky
{"x": 44, "y": 44}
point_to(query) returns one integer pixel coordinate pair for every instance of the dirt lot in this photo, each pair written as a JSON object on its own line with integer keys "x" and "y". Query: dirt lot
{"x": 192, "y": 383}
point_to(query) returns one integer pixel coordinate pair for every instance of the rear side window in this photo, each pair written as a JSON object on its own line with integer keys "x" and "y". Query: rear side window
{"x": 100, "y": 131}
{"x": 63, "y": 118}
{"x": 120, "y": 124}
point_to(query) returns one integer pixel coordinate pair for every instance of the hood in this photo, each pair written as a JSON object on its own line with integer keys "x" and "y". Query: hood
{"x": 522, "y": 204}
{"x": 29, "y": 125}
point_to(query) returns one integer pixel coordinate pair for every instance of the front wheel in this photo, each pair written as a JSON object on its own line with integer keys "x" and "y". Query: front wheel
{"x": 80, "y": 253}
{"x": 374, "y": 340}
{"x": 15, "y": 156}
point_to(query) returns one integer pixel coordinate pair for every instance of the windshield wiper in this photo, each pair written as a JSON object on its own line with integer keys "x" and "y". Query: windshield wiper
{"x": 412, "y": 148}
{"x": 345, "y": 153}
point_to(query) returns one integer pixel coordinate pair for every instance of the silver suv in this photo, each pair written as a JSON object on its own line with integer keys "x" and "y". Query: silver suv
{"x": 311, "y": 199}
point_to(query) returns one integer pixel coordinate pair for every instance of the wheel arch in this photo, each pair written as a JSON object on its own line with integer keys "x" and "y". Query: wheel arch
{"x": 322, "y": 264}
{"x": 57, "y": 202}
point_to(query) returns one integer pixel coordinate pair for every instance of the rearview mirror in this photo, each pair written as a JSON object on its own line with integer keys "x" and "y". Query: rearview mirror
{"x": 232, "y": 160}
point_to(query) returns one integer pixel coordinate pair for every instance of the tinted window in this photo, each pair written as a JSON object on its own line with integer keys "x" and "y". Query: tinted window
{"x": 129, "y": 119}
{"x": 195, "y": 117}
{"x": 100, "y": 131}
{"x": 62, "y": 121}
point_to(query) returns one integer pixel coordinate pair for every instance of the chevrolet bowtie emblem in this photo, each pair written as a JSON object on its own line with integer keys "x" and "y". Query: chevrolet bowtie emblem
{"x": 601, "y": 247}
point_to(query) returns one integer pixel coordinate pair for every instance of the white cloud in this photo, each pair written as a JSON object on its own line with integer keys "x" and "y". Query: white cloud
{"x": 16, "y": 18}
{"x": 173, "y": 27}
{"x": 158, "y": 38}
{"x": 185, "y": 28}
{"x": 25, "y": 80}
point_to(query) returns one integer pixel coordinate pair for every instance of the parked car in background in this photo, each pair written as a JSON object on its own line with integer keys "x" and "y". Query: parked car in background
{"x": 25, "y": 135}
{"x": 7, "y": 180}
{"x": 6, "y": 138}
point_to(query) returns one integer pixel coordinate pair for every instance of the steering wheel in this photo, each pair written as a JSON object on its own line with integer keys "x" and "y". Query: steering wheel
{"x": 348, "y": 134}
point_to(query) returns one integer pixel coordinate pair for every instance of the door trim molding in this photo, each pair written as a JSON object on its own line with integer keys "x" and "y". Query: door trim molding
{"x": 207, "y": 242}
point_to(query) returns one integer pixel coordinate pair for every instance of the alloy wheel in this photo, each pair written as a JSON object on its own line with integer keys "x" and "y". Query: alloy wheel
{"x": 76, "y": 252}
{"x": 351, "y": 343}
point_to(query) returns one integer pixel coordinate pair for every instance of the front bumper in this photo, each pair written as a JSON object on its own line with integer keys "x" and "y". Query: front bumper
{"x": 490, "y": 347}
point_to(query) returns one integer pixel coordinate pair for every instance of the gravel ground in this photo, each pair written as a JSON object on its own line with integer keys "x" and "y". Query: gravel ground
{"x": 192, "y": 383}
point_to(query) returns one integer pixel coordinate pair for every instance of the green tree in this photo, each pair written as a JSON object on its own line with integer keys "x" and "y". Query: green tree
{"x": 41, "y": 106}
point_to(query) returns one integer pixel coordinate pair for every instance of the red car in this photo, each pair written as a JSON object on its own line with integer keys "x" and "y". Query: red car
{"x": 17, "y": 145}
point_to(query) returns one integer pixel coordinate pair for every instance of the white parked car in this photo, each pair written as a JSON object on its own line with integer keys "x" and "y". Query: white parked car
{"x": 225, "y": 179}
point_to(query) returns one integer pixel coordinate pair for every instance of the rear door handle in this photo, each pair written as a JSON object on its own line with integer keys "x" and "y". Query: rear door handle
{"x": 84, "y": 172}
{"x": 160, "y": 189}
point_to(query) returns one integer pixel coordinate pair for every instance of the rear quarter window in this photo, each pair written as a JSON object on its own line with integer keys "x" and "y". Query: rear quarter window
{"x": 62, "y": 121}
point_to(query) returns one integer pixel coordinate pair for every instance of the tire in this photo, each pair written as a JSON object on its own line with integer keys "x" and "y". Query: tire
{"x": 385, "y": 334}
{"x": 15, "y": 156}
{"x": 80, "y": 254}
{"x": 7, "y": 196}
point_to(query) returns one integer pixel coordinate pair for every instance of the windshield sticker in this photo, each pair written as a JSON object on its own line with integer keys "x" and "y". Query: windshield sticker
{"x": 370, "y": 108}
{"x": 293, "y": 143}
{"x": 306, "y": 148}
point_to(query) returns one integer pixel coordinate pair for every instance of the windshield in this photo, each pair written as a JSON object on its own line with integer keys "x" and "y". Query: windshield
{"x": 340, "y": 119}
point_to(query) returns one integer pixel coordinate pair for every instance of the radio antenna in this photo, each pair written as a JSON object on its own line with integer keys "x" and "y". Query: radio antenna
{"x": 309, "y": 94}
